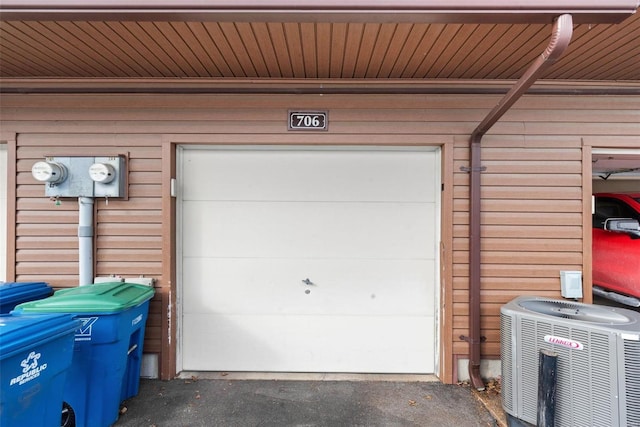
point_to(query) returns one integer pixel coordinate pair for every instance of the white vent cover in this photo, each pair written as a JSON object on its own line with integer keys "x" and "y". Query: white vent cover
{"x": 598, "y": 351}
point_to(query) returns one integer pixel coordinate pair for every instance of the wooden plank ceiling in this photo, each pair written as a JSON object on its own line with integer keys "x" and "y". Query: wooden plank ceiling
{"x": 78, "y": 49}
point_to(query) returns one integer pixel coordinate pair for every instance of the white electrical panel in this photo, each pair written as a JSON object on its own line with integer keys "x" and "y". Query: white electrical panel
{"x": 571, "y": 284}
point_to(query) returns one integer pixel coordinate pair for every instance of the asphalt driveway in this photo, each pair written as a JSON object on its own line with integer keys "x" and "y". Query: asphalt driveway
{"x": 220, "y": 402}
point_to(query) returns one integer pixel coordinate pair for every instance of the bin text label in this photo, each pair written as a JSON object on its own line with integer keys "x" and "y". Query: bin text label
{"x": 136, "y": 320}
{"x": 84, "y": 331}
{"x": 30, "y": 369}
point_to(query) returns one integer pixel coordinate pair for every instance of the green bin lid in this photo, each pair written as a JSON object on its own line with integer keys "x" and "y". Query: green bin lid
{"x": 97, "y": 298}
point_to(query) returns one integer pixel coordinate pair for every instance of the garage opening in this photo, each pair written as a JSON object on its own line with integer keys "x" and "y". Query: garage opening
{"x": 302, "y": 259}
{"x": 615, "y": 254}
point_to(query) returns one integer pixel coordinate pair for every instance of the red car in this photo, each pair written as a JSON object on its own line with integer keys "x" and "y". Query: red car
{"x": 616, "y": 247}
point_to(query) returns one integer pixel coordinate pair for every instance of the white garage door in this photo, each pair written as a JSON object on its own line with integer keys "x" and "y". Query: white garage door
{"x": 3, "y": 212}
{"x": 309, "y": 260}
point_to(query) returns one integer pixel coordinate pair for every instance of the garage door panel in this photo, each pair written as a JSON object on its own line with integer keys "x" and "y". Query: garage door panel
{"x": 378, "y": 343}
{"x": 274, "y": 175}
{"x": 301, "y": 230}
{"x": 341, "y": 287}
{"x": 361, "y": 224}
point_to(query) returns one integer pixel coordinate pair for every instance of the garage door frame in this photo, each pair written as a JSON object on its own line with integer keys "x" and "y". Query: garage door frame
{"x": 443, "y": 152}
{"x": 591, "y": 147}
{"x": 4, "y": 185}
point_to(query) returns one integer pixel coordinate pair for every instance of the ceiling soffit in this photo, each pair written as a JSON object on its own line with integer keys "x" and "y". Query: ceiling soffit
{"x": 56, "y": 39}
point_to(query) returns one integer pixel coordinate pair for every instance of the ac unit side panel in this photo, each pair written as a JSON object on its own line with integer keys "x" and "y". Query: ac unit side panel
{"x": 587, "y": 380}
{"x": 598, "y": 382}
{"x": 530, "y": 347}
{"x": 630, "y": 398}
{"x": 507, "y": 358}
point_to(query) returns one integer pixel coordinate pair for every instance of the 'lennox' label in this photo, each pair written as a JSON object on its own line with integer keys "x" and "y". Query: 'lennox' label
{"x": 564, "y": 342}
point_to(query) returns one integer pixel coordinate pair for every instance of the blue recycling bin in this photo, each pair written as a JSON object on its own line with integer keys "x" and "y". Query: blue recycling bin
{"x": 35, "y": 356}
{"x": 105, "y": 369}
{"x": 14, "y": 293}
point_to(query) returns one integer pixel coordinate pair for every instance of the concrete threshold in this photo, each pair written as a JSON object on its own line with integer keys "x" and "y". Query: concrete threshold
{"x": 306, "y": 376}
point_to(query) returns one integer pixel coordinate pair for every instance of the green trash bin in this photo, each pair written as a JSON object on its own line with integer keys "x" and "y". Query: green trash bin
{"x": 105, "y": 369}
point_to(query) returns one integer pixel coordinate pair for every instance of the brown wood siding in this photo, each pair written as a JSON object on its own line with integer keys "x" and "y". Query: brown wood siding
{"x": 531, "y": 224}
{"x": 128, "y": 232}
{"x": 532, "y": 197}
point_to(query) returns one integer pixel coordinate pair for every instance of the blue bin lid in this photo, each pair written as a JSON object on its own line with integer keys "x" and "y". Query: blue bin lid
{"x": 100, "y": 298}
{"x": 20, "y": 331}
{"x": 14, "y": 293}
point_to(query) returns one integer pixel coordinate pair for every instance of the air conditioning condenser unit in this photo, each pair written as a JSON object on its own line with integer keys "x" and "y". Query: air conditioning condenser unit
{"x": 598, "y": 362}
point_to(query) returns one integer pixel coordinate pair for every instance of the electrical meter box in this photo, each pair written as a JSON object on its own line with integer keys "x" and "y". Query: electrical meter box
{"x": 107, "y": 174}
{"x": 82, "y": 176}
{"x": 72, "y": 183}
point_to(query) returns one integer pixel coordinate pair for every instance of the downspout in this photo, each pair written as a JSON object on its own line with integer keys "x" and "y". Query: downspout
{"x": 560, "y": 38}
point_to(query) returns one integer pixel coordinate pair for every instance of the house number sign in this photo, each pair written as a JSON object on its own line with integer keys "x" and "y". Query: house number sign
{"x": 307, "y": 120}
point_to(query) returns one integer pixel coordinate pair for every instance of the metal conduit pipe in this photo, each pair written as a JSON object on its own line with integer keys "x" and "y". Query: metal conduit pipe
{"x": 560, "y": 38}
{"x": 85, "y": 240}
